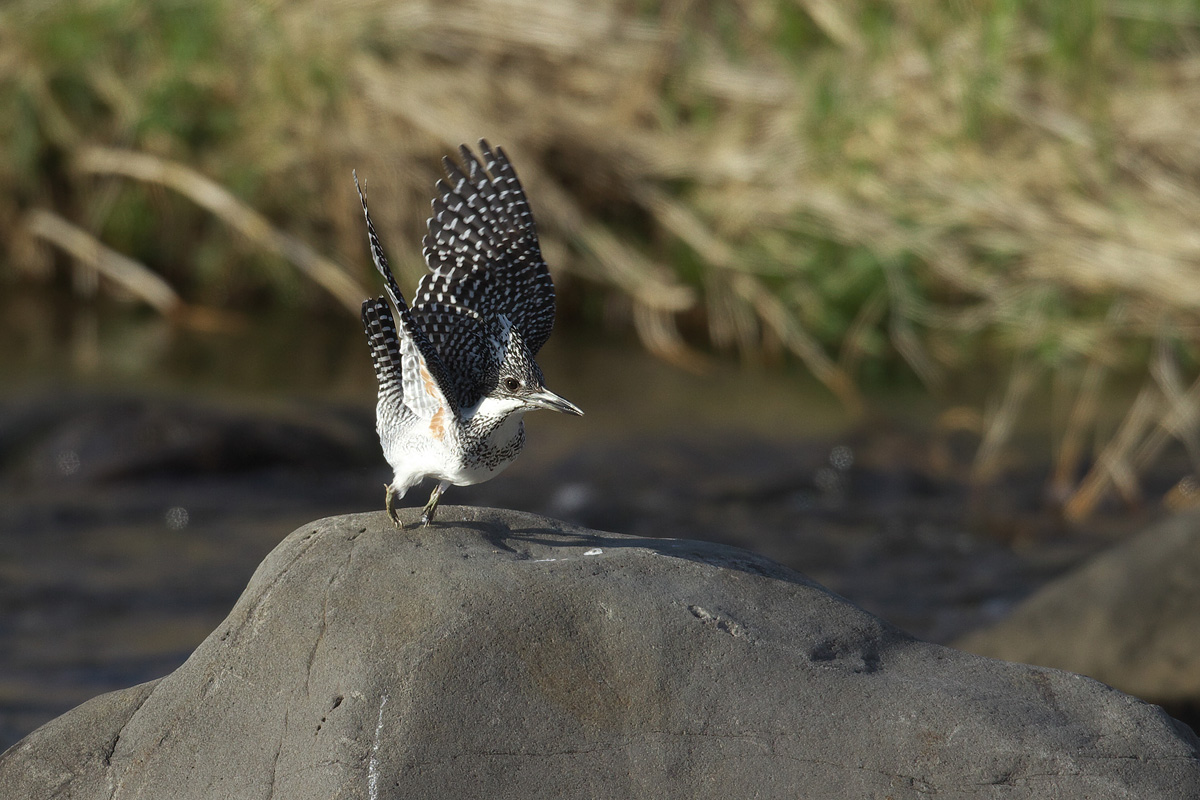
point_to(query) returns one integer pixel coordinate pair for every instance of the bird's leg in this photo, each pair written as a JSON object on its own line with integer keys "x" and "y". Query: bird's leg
{"x": 428, "y": 511}
{"x": 390, "y": 504}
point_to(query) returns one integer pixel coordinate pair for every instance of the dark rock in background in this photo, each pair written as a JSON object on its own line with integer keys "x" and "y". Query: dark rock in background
{"x": 506, "y": 655}
{"x": 1129, "y": 617}
{"x": 70, "y": 440}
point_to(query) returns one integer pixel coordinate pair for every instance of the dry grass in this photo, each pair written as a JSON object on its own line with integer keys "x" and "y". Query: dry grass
{"x": 861, "y": 186}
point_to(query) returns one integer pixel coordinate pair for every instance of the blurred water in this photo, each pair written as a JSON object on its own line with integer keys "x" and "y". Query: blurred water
{"x": 50, "y": 340}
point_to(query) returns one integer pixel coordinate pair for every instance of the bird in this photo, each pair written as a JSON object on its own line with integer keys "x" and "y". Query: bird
{"x": 456, "y": 369}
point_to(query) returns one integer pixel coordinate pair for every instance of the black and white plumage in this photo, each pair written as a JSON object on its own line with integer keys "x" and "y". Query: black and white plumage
{"x": 457, "y": 374}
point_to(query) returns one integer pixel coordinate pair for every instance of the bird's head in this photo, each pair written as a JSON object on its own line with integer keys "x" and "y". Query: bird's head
{"x": 519, "y": 382}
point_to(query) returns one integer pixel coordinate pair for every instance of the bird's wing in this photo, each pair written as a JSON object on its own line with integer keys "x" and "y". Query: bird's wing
{"x": 469, "y": 348}
{"x": 410, "y": 372}
{"x": 408, "y": 381}
{"x": 483, "y": 257}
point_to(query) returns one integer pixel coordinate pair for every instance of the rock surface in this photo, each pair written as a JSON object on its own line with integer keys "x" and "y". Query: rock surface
{"x": 1129, "y": 617}
{"x": 507, "y": 655}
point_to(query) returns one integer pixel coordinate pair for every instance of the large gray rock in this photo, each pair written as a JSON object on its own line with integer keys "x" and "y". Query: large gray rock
{"x": 510, "y": 656}
{"x": 1129, "y": 617}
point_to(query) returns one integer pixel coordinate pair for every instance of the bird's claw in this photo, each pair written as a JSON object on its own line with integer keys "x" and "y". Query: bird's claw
{"x": 431, "y": 507}
{"x": 390, "y": 504}
{"x": 427, "y": 514}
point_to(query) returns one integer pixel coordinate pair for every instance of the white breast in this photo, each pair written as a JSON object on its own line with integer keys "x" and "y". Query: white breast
{"x": 439, "y": 448}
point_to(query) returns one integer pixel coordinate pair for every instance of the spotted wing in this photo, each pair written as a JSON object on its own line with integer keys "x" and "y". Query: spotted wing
{"x": 470, "y": 349}
{"x": 484, "y": 261}
{"x": 410, "y": 372}
{"x": 407, "y": 385}
{"x": 380, "y": 327}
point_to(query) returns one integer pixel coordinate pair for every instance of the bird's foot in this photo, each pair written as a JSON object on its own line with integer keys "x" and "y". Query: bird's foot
{"x": 427, "y": 513}
{"x": 390, "y": 504}
{"x": 431, "y": 507}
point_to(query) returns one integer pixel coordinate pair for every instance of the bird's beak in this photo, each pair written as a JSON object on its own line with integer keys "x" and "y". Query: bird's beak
{"x": 549, "y": 400}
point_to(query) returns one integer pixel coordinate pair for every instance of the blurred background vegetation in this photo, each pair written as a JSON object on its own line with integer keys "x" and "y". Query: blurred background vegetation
{"x": 889, "y": 193}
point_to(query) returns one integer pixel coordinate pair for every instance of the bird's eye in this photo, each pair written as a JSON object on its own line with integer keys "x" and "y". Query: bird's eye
{"x": 511, "y": 384}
